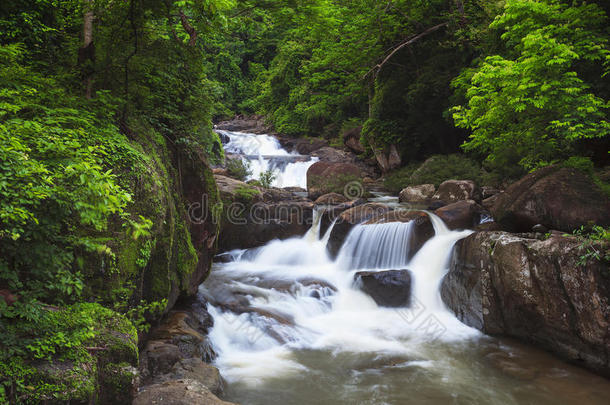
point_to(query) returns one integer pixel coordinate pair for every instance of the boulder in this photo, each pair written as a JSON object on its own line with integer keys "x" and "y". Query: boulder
{"x": 558, "y": 198}
{"x": 333, "y": 155}
{"x": 323, "y": 178}
{"x": 251, "y": 217}
{"x": 331, "y": 199}
{"x": 534, "y": 290}
{"x": 178, "y": 392}
{"x": 417, "y": 194}
{"x": 195, "y": 369}
{"x": 351, "y": 139}
{"x": 303, "y": 146}
{"x": 455, "y": 190}
{"x": 388, "y": 288}
{"x": 422, "y": 226}
{"x": 254, "y": 124}
{"x": 461, "y": 215}
{"x": 348, "y": 219}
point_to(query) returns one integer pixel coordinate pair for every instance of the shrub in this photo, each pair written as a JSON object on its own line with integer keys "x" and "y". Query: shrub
{"x": 267, "y": 178}
{"x": 239, "y": 168}
{"x": 434, "y": 170}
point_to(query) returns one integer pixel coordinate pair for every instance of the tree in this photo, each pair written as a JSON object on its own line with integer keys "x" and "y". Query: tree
{"x": 533, "y": 104}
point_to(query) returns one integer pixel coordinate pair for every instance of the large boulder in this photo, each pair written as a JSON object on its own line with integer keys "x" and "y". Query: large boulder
{"x": 388, "y": 288}
{"x": 348, "y": 219}
{"x": 455, "y": 190}
{"x": 534, "y": 290}
{"x": 342, "y": 178}
{"x": 351, "y": 139}
{"x": 558, "y": 198}
{"x": 461, "y": 215}
{"x": 421, "y": 194}
{"x": 251, "y": 216}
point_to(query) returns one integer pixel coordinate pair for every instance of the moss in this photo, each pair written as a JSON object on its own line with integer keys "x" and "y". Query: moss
{"x": 246, "y": 194}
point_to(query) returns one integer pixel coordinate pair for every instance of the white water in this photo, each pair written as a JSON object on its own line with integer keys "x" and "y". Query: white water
{"x": 264, "y": 152}
{"x": 294, "y": 279}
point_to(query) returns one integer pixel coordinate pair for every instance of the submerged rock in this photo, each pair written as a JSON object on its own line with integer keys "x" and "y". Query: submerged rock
{"x": 558, "y": 198}
{"x": 534, "y": 290}
{"x": 388, "y": 288}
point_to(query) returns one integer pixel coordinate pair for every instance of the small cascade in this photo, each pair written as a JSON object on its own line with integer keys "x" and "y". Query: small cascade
{"x": 264, "y": 152}
{"x": 377, "y": 246}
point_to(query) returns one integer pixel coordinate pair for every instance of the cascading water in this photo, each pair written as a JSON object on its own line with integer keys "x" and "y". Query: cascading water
{"x": 291, "y": 326}
{"x": 264, "y": 152}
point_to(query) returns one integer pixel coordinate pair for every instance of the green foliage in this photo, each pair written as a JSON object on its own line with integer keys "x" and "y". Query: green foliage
{"x": 239, "y": 168}
{"x": 595, "y": 243}
{"x": 267, "y": 178}
{"x": 532, "y": 105}
{"x": 246, "y": 193}
{"x": 435, "y": 170}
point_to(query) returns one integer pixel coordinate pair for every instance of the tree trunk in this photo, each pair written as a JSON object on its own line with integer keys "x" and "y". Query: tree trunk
{"x": 86, "y": 54}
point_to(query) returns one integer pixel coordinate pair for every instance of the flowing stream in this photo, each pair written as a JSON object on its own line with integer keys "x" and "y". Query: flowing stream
{"x": 292, "y": 327}
{"x": 264, "y": 152}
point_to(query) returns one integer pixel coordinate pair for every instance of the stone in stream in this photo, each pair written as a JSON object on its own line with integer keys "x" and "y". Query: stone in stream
{"x": 388, "y": 288}
{"x": 455, "y": 190}
{"x": 464, "y": 214}
{"x": 417, "y": 194}
{"x": 538, "y": 291}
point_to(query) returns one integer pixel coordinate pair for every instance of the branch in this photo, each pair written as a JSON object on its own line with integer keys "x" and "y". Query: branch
{"x": 377, "y": 68}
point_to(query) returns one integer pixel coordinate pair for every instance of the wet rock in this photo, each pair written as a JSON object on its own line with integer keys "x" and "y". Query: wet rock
{"x": 533, "y": 290}
{"x": 455, "y": 190}
{"x": 487, "y": 192}
{"x": 331, "y": 199}
{"x": 351, "y": 217}
{"x": 558, "y": 198}
{"x": 461, "y": 215}
{"x": 254, "y": 124}
{"x": 194, "y": 369}
{"x": 160, "y": 357}
{"x": 388, "y": 288}
{"x": 434, "y": 205}
{"x": 178, "y": 392}
{"x": 417, "y": 194}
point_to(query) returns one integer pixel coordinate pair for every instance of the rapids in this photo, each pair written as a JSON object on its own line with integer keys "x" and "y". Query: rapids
{"x": 264, "y": 152}
{"x": 292, "y": 327}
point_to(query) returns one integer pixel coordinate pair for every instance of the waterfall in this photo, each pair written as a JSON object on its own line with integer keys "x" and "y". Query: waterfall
{"x": 377, "y": 246}
{"x": 264, "y": 152}
{"x": 290, "y": 296}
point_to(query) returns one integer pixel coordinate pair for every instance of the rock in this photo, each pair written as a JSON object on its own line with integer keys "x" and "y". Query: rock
{"x": 237, "y": 191}
{"x": 254, "y": 124}
{"x": 306, "y": 146}
{"x": 177, "y": 392}
{"x": 461, "y": 215}
{"x": 455, "y": 190}
{"x": 331, "y": 199}
{"x": 487, "y": 192}
{"x": 351, "y": 139}
{"x": 348, "y": 219}
{"x": 221, "y": 171}
{"x": 422, "y": 226}
{"x": 394, "y": 159}
{"x": 333, "y": 155}
{"x": 160, "y": 357}
{"x": 533, "y": 290}
{"x": 417, "y": 194}
{"x": 558, "y": 198}
{"x": 323, "y": 178}
{"x": 251, "y": 217}
{"x": 388, "y": 288}
{"x": 540, "y": 228}
{"x": 434, "y": 205}
{"x": 195, "y": 369}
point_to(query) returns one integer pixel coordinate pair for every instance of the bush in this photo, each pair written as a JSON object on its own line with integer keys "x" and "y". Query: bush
{"x": 239, "y": 168}
{"x": 267, "y": 178}
{"x": 434, "y": 170}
